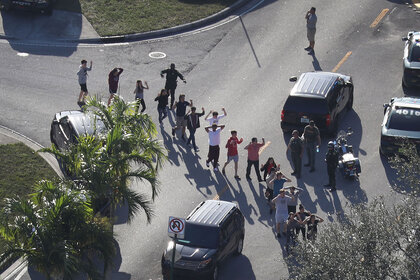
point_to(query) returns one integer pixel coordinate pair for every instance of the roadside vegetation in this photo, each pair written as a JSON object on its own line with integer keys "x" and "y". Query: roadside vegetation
{"x": 61, "y": 229}
{"x": 116, "y": 17}
{"x": 20, "y": 169}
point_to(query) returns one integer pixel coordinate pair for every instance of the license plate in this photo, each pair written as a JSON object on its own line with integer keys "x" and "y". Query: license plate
{"x": 304, "y": 120}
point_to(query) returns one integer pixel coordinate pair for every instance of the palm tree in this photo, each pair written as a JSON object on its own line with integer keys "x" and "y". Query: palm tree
{"x": 57, "y": 232}
{"x": 106, "y": 163}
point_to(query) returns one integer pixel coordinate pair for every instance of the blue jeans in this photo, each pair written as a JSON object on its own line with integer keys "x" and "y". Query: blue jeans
{"x": 163, "y": 113}
{"x": 192, "y": 137}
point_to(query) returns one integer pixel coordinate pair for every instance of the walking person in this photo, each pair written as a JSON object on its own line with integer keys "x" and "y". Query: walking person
{"x": 312, "y": 141}
{"x": 215, "y": 116}
{"x": 171, "y": 81}
{"x": 296, "y": 148}
{"x": 301, "y": 216}
{"x": 193, "y": 122}
{"x": 113, "y": 79}
{"x": 162, "y": 107}
{"x": 331, "y": 158}
{"x": 282, "y": 215}
{"x": 82, "y": 77}
{"x": 139, "y": 92}
{"x": 253, "y": 157}
{"x": 232, "y": 153}
{"x": 268, "y": 166}
{"x": 214, "y": 142}
{"x": 312, "y": 222}
{"x": 181, "y": 108}
{"x": 311, "y": 20}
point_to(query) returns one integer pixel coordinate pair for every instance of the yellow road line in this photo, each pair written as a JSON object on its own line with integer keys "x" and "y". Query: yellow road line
{"x": 379, "y": 18}
{"x": 264, "y": 147}
{"x": 222, "y": 191}
{"x": 341, "y": 61}
{"x": 416, "y": 3}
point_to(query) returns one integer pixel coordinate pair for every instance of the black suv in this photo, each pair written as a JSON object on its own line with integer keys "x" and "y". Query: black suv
{"x": 45, "y": 6}
{"x": 214, "y": 230}
{"x": 67, "y": 126}
{"x": 321, "y": 96}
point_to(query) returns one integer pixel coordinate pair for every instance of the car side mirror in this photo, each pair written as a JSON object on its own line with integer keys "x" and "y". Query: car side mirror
{"x": 404, "y": 39}
{"x": 293, "y": 79}
{"x": 386, "y": 105}
{"x": 348, "y": 83}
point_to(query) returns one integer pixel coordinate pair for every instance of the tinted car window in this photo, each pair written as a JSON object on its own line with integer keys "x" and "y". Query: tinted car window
{"x": 307, "y": 105}
{"x": 405, "y": 119}
{"x": 200, "y": 236}
{"x": 415, "y": 53}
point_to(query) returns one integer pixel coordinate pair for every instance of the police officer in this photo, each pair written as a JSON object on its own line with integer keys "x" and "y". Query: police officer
{"x": 296, "y": 147}
{"x": 331, "y": 158}
{"x": 171, "y": 81}
{"x": 312, "y": 139}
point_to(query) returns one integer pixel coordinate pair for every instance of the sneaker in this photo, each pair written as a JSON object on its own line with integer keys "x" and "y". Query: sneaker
{"x": 223, "y": 171}
{"x": 196, "y": 150}
{"x": 260, "y": 180}
{"x": 308, "y": 48}
{"x": 307, "y": 164}
{"x": 173, "y": 132}
{"x": 332, "y": 189}
{"x": 216, "y": 169}
{"x": 207, "y": 164}
{"x": 312, "y": 170}
{"x": 311, "y": 52}
{"x": 237, "y": 177}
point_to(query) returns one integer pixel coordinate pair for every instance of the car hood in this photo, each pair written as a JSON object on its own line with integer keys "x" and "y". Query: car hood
{"x": 415, "y": 135}
{"x": 190, "y": 253}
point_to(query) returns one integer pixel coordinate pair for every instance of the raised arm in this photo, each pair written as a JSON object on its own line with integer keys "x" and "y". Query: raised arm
{"x": 211, "y": 111}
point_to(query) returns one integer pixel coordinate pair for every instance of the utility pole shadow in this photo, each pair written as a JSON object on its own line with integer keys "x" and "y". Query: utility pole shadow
{"x": 250, "y": 43}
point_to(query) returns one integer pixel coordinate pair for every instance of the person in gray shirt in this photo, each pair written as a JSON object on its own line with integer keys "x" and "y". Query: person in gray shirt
{"x": 311, "y": 19}
{"x": 82, "y": 75}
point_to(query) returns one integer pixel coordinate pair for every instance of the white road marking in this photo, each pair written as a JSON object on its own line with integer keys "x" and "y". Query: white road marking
{"x": 23, "y": 54}
{"x": 157, "y": 55}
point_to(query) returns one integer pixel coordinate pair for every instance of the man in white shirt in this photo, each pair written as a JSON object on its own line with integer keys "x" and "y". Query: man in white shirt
{"x": 214, "y": 142}
{"x": 215, "y": 116}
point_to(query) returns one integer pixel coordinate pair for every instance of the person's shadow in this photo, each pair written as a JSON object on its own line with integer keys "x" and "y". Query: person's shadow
{"x": 315, "y": 63}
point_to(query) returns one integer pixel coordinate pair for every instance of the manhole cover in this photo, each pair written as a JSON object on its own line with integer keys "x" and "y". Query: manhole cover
{"x": 157, "y": 55}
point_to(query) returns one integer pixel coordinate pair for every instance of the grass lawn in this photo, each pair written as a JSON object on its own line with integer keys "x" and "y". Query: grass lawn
{"x": 20, "y": 169}
{"x": 117, "y": 17}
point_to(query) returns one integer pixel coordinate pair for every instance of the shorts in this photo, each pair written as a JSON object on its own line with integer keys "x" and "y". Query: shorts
{"x": 281, "y": 218}
{"x": 181, "y": 121}
{"x": 112, "y": 91}
{"x": 235, "y": 158}
{"x": 83, "y": 87}
{"x": 310, "y": 34}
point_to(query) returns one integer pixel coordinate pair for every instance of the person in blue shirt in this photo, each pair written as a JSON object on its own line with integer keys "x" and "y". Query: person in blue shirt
{"x": 278, "y": 182}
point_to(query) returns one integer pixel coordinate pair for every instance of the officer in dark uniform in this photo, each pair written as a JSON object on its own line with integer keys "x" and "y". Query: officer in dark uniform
{"x": 171, "y": 81}
{"x": 331, "y": 158}
{"x": 296, "y": 147}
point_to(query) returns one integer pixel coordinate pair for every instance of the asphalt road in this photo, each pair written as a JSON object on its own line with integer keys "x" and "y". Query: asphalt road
{"x": 243, "y": 66}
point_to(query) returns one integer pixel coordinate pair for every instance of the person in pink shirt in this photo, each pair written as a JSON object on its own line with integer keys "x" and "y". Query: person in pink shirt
{"x": 232, "y": 154}
{"x": 254, "y": 157}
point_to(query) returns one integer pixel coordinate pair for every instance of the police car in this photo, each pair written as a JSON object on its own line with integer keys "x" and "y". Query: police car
{"x": 411, "y": 65}
{"x": 401, "y": 121}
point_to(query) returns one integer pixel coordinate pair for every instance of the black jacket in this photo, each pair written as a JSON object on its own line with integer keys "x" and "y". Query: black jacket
{"x": 171, "y": 76}
{"x": 332, "y": 159}
{"x": 190, "y": 120}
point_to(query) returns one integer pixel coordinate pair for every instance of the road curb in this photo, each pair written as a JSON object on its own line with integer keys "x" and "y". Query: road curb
{"x": 163, "y": 32}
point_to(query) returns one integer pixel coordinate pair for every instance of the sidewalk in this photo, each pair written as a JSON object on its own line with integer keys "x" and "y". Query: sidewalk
{"x": 63, "y": 26}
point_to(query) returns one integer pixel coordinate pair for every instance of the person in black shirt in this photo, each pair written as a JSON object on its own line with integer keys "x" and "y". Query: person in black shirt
{"x": 301, "y": 216}
{"x": 193, "y": 122}
{"x": 331, "y": 158}
{"x": 162, "y": 99}
{"x": 296, "y": 147}
{"x": 312, "y": 222}
{"x": 181, "y": 109}
{"x": 171, "y": 81}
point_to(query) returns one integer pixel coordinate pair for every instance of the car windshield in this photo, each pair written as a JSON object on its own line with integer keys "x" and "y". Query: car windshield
{"x": 200, "y": 236}
{"x": 415, "y": 53}
{"x": 306, "y": 105}
{"x": 405, "y": 119}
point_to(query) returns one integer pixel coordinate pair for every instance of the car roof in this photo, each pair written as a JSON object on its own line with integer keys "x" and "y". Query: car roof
{"x": 315, "y": 84}
{"x": 406, "y": 102}
{"x": 84, "y": 124}
{"x": 211, "y": 212}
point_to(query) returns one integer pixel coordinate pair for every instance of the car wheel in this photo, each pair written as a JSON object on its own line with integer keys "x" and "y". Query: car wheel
{"x": 216, "y": 272}
{"x": 240, "y": 246}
